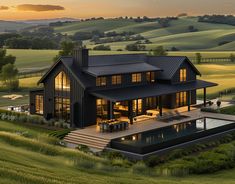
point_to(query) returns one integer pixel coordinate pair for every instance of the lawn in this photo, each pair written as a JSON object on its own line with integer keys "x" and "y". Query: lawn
{"x": 23, "y": 164}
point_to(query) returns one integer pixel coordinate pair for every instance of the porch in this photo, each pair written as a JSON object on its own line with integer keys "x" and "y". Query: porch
{"x": 92, "y": 137}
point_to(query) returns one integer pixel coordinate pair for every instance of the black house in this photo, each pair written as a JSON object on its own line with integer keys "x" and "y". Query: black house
{"x": 83, "y": 89}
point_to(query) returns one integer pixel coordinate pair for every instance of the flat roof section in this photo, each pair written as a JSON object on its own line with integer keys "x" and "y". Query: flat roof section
{"x": 136, "y": 92}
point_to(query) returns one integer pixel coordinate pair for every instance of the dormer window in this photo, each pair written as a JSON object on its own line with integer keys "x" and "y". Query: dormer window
{"x": 101, "y": 81}
{"x": 116, "y": 79}
{"x": 150, "y": 77}
{"x": 136, "y": 77}
{"x": 183, "y": 75}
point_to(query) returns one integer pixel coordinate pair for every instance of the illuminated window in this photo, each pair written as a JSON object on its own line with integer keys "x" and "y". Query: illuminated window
{"x": 116, "y": 79}
{"x": 39, "y": 104}
{"x": 181, "y": 99}
{"x": 102, "y": 108}
{"x": 62, "y": 108}
{"x": 62, "y": 82}
{"x": 183, "y": 75}
{"x": 101, "y": 81}
{"x": 150, "y": 76}
{"x": 136, "y": 77}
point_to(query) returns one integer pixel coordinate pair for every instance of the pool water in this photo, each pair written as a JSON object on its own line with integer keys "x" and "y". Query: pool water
{"x": 171, "y": 135}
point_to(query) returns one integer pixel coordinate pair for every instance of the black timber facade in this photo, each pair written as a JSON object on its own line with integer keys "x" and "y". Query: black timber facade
{"x": 83, "y": 70}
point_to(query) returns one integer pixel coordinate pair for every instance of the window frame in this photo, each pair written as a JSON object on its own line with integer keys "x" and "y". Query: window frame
{"x": 136, "y": 77}
{"x": 101, "y": 81}
{"x": 116, "y": 79}
{"x": 183, "y": 75}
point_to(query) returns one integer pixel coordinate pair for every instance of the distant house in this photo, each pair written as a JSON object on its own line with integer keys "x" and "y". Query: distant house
{"x": 83, "y": 89}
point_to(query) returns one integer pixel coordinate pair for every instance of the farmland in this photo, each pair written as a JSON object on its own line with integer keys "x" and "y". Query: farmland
{"x": 23, "y": 161}
{"x": 208, "y": 36}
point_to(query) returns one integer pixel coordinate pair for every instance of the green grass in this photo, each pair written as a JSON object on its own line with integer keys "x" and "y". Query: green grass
{"x": 22, "y": 163}
{"x": 228, "y": 110}
{"x": 101, "y": 25}
{"x": 177, "y": 34}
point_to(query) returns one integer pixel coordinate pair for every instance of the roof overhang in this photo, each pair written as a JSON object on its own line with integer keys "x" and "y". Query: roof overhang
{"x": 136, "y": 92}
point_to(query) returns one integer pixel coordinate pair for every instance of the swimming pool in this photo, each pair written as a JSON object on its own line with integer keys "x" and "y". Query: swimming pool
{"x": 149, "y": 141}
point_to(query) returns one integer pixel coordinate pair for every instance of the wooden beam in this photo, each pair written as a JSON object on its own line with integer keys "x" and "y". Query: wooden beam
{"x": 160, "y": 105}
{"x": 130, "y": 111}
{"x": 189, "y": 99}
{"x": 204, "y": 97}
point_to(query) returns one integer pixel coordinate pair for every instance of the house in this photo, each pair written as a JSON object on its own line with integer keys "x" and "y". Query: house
{"x": 83, "y": 90}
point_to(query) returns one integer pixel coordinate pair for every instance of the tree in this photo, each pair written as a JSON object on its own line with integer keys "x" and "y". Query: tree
{"x": 198, "y": 58}
{"x": 102, "y": 47}
{"x": 9, "y": 76}
{"x": 159, "y": 51}
{"x": 5, "y": 59}
{"x": 232, "y": 58}
{"x": 67, "y": 48}
{"x": 135, "y": 47}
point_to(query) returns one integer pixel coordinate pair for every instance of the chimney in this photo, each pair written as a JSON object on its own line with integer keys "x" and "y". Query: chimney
{"x": 80, "y": 57}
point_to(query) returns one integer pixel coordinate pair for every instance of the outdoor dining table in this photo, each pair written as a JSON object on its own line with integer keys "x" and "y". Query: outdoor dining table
{"x": 113, "y": 126}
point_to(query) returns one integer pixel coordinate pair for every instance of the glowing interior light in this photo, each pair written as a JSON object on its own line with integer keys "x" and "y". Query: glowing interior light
{"x": 133, "y": 138}
{"x": 123, "y": 139}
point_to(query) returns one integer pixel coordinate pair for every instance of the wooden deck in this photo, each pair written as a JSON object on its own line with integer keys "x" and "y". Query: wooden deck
{"x": 93, "y": 132}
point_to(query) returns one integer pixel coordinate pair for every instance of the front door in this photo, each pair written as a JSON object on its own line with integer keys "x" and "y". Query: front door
{"x": 181, "y": 99}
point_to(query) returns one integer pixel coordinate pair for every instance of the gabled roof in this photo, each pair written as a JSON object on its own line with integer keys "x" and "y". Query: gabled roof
{"x": 170, "y": 65}
{"x": 68, "y": 63}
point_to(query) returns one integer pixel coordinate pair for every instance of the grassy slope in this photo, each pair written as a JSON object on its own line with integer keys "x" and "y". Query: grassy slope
{"x": 22, "y": 166}
{"x": 7, "y": 25}
{"x": 176, "y": 35}
{"x": 102, "y": 25}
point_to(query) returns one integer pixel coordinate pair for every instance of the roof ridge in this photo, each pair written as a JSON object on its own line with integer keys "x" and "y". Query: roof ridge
{"x": 126, "y": 63}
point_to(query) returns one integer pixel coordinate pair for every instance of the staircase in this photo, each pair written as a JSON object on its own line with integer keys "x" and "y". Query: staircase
{"x": 75, "y": 138}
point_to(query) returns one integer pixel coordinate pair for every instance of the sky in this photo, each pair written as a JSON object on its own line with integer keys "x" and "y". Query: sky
{"x": 45, "y": 9}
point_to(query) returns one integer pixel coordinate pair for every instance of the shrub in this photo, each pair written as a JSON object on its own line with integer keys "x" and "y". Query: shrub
{"x": 121, "y": 163}
{"x": 113, "y": 155}
{"x": 85, "y": 164}
{"x": 140, "y": 168}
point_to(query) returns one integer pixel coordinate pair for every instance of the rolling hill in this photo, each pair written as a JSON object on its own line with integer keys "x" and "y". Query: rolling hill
{"x": 12, "y": 26}
{"x": 208, "y": 36}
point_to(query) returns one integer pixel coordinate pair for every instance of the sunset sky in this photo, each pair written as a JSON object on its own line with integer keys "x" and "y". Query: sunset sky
{"x": 38, "y": 9}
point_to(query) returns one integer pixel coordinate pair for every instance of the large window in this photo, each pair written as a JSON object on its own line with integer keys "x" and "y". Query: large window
{"x": 183, "y": 75}
{"x": 102, "y": 108}
{"x": 136, "y": 77}
{"x": 39, "y": 104}
{"x": 101, "y": 81}
{"x": 62, "y": 108}
{"x": 150, "y": 76}
{"x": 116, "y": 79}
{"x": 181, "y": 99}
{"x": 62, "y": 82}
{"x": 137, "y": 106}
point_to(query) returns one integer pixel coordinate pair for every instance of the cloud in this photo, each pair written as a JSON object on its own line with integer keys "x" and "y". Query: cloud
{"x": 39, "y": 8}
{"x": 4, "y": 7}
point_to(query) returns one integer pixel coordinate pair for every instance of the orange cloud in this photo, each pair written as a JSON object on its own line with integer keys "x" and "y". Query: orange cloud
{"x": 4, "y": 7}
{"x": 39, "y": 8}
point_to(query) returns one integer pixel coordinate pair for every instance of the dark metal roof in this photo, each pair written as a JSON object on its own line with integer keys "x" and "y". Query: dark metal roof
{"x": 102, "y": 60}
{"x": 136, "y": 92}
{"x": 120, "y": 69}
{"x": 82, "y": 78}
{"x": 169, "y": 65}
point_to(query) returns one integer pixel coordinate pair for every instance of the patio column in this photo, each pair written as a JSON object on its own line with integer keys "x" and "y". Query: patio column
{"x": 160, "y": 105}
{"x": 110, "y": 110}
{"x": 204, "y": 97}
{"x": 189, "y": 99}
{"x": 130, "y": 111}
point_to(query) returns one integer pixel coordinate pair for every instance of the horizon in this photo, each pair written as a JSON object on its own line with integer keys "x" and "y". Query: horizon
{"x": 81, "y": 9}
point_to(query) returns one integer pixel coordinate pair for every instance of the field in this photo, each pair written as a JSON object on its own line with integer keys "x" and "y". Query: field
{"x": 22, "y": 163}
{"x": 208, "y": 37}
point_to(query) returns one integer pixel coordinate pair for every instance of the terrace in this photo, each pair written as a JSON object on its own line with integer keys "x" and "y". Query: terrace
{"x": 93, "y": 137}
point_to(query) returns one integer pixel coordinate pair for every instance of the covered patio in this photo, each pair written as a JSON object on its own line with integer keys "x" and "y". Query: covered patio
{"x": 156, "y": 91}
